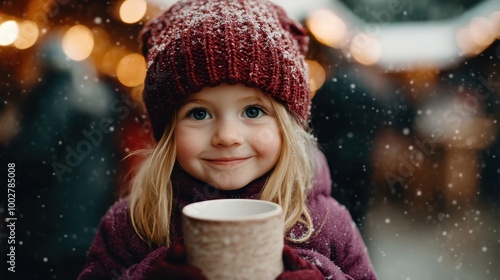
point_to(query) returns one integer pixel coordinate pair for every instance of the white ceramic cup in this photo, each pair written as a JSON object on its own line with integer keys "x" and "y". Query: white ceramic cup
{"x": 234, "y": 238}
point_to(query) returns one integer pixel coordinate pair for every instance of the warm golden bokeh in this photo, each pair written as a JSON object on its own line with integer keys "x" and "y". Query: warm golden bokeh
{"x": 327, "y": 27}
{"x": 131, "y": 70}
{"x": 131, "y": 11}
{"x": 365, "y": 49}
{"x": 28, "y": 35}
{"x": 317, "y": 75}
{"x": 9, "y": 31}
{"x": 78, "y": 42}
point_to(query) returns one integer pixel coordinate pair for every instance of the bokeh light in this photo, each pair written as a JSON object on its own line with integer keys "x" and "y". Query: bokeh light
{"x": 28, "y": 35}
{"x": 365, "y": 49}
{"x": 327, "y": 28}
{"x": 109, "y": 62}
{"x": 481, "y": 31}
{"x": 478, "y": 35}
{"x": 466, "y": 45}
{"x": 131, "y": 70}
{"x": 136, "y": 94}
{"x": 131, "y": 11}
{"x": 78, "y": 42}
{"x": 495, "y": 20}
{"x": 317, "y": 75}
{"x": 9, "y": 31}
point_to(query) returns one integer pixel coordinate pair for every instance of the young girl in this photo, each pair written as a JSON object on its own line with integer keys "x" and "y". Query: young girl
{"x": 228, "y": 98}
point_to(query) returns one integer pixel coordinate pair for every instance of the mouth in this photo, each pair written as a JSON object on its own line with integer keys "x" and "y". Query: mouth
{"x": 226, "y": 161}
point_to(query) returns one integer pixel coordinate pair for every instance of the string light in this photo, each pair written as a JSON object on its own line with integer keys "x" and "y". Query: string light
{"x": 481, "y": 31}
{"x": 131, "y": 70}
{"x": 317, "y": 75}
{"x": 131, "y": 11}
{"x": 28, "y": 35}
{"x": 477, "y": 35}
{"x": 495, "y": 21}
{"x": 327, "y": 28}
{"x": 9, "y": 31}
{"x": 365, "y": 49}
{"x": 78, "y": 42}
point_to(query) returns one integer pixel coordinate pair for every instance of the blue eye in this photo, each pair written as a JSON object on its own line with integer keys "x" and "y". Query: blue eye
{"x": 253, "y": 112}
{"x": 198, "y": 114}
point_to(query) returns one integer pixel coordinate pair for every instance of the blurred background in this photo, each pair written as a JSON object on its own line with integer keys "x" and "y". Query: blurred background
{"x": 406, "y": 107}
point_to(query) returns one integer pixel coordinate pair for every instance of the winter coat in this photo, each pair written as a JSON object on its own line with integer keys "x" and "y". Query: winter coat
{"x": 336, "y": 246}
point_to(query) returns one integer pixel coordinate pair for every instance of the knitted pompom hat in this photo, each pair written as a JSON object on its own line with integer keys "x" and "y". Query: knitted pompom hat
{"x": 200, "y": 43}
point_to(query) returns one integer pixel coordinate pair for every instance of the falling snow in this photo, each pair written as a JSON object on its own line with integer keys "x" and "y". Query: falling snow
{"x": 413, "y": 152}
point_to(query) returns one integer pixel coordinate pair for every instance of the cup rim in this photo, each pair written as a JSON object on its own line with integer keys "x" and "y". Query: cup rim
{"x": 193, "y": 210}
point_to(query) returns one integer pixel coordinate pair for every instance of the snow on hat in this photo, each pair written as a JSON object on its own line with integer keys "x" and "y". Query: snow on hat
{"x": 200, "y": 43}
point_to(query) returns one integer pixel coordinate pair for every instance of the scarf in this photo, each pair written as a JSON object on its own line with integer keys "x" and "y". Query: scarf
{"x": 187, "y": 190}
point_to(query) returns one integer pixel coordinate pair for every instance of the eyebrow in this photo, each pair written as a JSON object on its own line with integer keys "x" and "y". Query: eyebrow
{"x": 243, "y": 99}
{"x": 253, "y": 98}
{"x": 196, "y": 100}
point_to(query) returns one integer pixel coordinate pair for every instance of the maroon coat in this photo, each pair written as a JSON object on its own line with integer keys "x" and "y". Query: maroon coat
{"x": 336, "y": 246}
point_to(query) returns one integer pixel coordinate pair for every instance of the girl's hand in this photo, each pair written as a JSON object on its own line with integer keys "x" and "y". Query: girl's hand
{"x": 297, "y": 268}
{"x": 173, "y": 265}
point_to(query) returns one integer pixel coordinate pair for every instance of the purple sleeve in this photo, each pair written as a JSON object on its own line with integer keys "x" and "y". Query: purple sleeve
{"x": 327, "y": 267}
{"x": 346, "y": 256}
{"x": 117, "y": 252}
{"x": 336, "y": 247}
{"x": 348, "y": 250}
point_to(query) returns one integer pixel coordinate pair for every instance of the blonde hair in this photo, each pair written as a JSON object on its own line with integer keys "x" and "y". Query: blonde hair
{"x": 151, "y": 194}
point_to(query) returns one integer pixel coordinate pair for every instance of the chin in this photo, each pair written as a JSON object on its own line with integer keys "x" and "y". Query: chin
{"x": 229, "y": 187}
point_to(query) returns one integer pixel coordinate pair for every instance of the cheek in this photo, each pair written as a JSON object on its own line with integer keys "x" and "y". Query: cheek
{"x": 268, "y": 141}
{"x": 186, "y": 146}
{"x": 184, "y": 152}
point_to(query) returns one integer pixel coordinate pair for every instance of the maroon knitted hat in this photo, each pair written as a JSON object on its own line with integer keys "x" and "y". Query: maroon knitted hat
{"x": 200, "y": 43}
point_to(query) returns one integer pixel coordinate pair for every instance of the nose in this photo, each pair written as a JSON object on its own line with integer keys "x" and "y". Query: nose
{"x": 227, "y": 134}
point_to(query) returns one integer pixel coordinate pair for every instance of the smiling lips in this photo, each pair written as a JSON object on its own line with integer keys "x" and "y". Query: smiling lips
{"x": 226, "y": 161}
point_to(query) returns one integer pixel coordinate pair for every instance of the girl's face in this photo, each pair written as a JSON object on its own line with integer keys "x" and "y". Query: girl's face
{"x": 227, "y": 136}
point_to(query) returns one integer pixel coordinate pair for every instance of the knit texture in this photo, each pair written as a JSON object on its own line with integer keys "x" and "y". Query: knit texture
{"x": 200, "y": 43}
